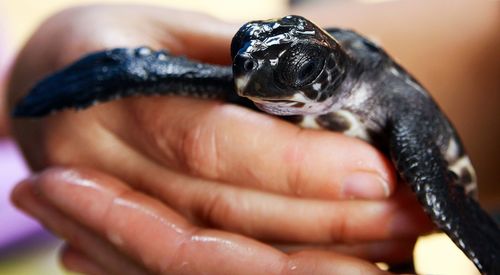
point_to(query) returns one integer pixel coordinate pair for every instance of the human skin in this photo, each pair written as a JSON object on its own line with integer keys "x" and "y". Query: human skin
{"x": 123, "y": 231}
{"x": 195, "y": 164}
{"x": 3, "y": 114}
{"x": 3, "y": 58}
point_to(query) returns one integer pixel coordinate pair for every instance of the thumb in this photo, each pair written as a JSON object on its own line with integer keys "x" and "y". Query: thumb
{"x": 204, "y": 38}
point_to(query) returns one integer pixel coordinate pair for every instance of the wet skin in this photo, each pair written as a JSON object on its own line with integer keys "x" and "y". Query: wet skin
{"x": 334, "y": 79}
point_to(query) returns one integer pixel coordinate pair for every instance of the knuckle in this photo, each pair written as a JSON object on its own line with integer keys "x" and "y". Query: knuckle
{"x": 191, "y": 150}
{"x": 295, "y": 155}
{"x": 109, "y": 216}
{"x": 338, "y": 228}
{"x": 191, "y": 143}
{"x": 199, "y": 151}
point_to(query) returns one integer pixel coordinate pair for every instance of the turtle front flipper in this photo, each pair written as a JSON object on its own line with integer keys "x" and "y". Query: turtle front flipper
{"x": 420, "y": 163}
{"x": 116, "y": 73}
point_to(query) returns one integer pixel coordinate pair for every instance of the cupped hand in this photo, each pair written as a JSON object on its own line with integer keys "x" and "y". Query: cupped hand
{"x": 218, "y": 165}
{"x": 113, "y": 229}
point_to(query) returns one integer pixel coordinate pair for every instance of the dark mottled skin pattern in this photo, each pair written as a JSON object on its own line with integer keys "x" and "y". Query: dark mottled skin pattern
{"x": 333, "y": 122}
{"x": 353, "y": 82}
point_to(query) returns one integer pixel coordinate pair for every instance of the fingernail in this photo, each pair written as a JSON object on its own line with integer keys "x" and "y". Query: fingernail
{"x": 365, "y": 185}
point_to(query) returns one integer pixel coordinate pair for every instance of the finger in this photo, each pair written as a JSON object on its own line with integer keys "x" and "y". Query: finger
{"x": 390, "y": 251}
{"x": 193, "y": 28}
{"x": 272, "y": 217}
{"x": 266, "y": 216}
{"x": 320, "y": 262}
{"x": 138, "y": 25}
{"x": 98, "y": 250}
{"x": 76, "y": 261}
{"x": 180, "y": 34}
{"x": 234, "y": 145}
{"x": 163, "y": 241}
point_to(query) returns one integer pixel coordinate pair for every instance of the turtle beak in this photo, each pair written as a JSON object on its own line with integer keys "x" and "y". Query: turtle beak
{"x": 253, "y": 79}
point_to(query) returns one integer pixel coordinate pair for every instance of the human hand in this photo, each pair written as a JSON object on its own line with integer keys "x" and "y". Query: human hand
{"x": 122, "y": 231}
{"x": 218, "y": 165}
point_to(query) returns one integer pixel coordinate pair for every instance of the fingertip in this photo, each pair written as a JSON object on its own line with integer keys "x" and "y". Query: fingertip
{"x": 49, "y": 176}
{"x": 378, "y": 174}
{"x": 365, "y": 158}
{"x": 22, "y": 189}
{"x": 349, "y": 168}
{"x": 320, "y": 262}
{"x": 62, "y": 183}
{"x": 365, "y": 185}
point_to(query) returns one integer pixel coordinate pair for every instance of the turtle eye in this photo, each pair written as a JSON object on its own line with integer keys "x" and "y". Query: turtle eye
{"x": 300, "y": 65}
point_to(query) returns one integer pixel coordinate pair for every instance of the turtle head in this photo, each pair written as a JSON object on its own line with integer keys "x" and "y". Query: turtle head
{"x": 287, "y": 66}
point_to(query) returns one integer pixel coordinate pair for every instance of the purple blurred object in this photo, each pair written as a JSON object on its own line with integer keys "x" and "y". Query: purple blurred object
{"x": 14, "y": 225}
{"x": 5, "y": 54}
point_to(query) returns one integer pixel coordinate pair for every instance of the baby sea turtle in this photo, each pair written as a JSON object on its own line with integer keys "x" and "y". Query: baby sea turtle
{"x": 331, "y": 79}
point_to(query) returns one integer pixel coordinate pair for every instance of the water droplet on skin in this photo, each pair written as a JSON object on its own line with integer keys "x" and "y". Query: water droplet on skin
{"x": 115, "y": 239}
{"x": 146, "y": 211}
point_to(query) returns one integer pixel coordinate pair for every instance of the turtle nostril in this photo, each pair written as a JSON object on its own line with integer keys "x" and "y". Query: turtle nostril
{"x": 244, "y": 64}
{"x": 249, "y": 65}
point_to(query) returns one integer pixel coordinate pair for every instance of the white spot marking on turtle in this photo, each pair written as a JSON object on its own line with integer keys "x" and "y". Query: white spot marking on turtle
{"x": 360, "y": 95}
{"x": 461, "y": 243}
{"x": 162, "y": 57}
{"x": 452, "y": 150}
{"x": 415, "y": 86}
{"x": 394, "y": 71}
{"x": 311, "y": 106}
{"x": 464, "y": 163}
{"x": 273, "y": 61}
{"x": 259, "y": 63}
{"x": 357, "y": 128}
{"x": 299, "y": 97}
{"x": 241, "y": 82}
{"x": 407, "y": 80}
{"x": 358, "y": 44}
{"x": 317, "y": 87}
{"x": 309, "y": 121}
{"x": 145, "y": 51}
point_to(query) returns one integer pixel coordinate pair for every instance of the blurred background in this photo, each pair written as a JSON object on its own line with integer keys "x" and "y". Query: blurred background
{"x": 25, "y": 248}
